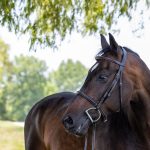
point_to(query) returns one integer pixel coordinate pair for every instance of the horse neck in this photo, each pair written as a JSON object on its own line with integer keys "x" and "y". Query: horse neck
{"x": 143, "y": 76}
{"x": 143, "y": 93}
{"x": 138, "y": 110}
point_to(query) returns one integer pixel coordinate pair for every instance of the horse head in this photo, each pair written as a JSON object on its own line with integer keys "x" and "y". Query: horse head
{"x": 115, "y": 83}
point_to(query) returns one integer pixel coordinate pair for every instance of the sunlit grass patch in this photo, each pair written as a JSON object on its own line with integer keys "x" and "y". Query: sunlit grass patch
{"x": 11, "y": 136}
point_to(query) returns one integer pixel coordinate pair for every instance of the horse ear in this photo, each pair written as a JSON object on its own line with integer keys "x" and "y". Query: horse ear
{"x": 113, "y": 43}
{"x": 104, "y": 42}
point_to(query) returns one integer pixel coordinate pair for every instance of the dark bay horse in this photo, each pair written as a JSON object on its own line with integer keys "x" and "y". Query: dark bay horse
{"x": 112, "y": 109}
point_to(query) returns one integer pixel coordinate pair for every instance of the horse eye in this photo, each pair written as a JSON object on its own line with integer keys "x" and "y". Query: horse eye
{"x": 102, "y": 78}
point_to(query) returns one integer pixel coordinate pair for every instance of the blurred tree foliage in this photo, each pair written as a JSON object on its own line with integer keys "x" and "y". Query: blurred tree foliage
{"x": 5, "y": 67}
{"x": 45, "y": 20}
{"x": 25, "y": 80}
{"x": 26, "y": 86}
{"x": 4, "y": 59}
{"x": 69, "y": 76}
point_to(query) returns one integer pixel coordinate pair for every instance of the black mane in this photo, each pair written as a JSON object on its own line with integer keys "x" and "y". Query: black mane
{"x": 131, "y": 51}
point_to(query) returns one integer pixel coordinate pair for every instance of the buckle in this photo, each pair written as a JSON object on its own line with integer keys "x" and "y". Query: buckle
{"x": 93, "y": 120}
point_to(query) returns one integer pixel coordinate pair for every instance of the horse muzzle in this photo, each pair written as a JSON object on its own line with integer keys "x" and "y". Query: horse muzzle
{"x": 76, "y": 126}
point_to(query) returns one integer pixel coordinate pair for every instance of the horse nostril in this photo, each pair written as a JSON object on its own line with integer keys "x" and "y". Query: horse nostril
{"x": 68, "y": 122}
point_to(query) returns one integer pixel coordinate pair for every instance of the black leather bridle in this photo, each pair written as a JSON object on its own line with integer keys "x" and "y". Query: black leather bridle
{"x": 118, "y": 78}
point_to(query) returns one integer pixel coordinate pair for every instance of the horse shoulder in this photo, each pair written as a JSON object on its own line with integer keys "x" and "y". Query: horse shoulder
{"x": 43, "y": 112}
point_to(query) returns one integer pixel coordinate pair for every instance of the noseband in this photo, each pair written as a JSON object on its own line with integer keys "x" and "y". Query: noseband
{"x": 97, "y": 106}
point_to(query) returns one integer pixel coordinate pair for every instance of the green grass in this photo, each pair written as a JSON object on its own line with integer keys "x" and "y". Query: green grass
{"x": 11, "y": 136}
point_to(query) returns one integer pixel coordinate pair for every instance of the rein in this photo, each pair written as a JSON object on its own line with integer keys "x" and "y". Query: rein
{"x": 97, "y": 106}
